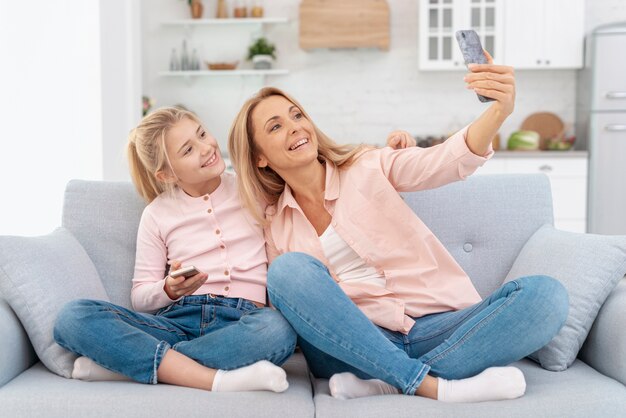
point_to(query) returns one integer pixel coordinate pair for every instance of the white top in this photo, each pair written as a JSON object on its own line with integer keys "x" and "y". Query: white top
{"x": 347, "y": 264}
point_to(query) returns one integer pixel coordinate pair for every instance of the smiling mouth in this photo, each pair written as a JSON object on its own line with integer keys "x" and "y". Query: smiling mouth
{"x": 298, "y": 144}
{"x": 210, "y": 161}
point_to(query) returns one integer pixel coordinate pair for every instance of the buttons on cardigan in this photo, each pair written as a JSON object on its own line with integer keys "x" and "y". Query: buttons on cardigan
{"x": 225, "y": 272}
{"x": 217, "y": 231}
{"x": 210, "y": 210}
{"x": 467, "y": 247}
{"x": 222, "y": 246}
{"x": 206, "y": 197}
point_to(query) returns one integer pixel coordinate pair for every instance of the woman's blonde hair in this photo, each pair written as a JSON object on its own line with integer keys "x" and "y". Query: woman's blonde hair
{"x": 146, "y": 150}
{"x": 265, "y": 184}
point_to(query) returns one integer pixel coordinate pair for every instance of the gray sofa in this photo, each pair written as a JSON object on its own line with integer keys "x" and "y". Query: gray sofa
{"x": 483, "y": 221}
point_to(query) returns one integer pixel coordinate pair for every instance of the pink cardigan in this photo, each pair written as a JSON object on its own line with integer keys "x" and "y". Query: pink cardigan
{"x": 369, "y": 214}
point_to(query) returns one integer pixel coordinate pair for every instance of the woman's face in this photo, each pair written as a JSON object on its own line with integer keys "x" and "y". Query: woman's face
{"x": 194, "y": 156}
{"x": 284, "y": 137}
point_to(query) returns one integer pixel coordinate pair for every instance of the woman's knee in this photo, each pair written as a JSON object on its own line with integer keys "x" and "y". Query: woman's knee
{"x": 289, "y": 268}
{"x": 550, "y": 296}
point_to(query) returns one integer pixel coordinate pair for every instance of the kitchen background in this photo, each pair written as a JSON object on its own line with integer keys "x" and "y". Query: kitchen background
{"x": 354, "y": 95}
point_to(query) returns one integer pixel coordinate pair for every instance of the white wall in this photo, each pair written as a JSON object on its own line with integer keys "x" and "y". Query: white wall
{"x": 121, "y": 81}
{"x": 353, "y": 95}
{"x": 50, "y": 108}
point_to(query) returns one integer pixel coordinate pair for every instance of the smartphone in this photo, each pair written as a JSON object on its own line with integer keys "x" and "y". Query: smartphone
{"x": 187, "y": 272}
{"x": 472, "y": 51}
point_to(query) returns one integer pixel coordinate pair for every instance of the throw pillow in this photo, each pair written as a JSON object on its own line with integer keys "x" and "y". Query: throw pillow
{"x": 589, "y": 266}
{"x": 38, "y": 275}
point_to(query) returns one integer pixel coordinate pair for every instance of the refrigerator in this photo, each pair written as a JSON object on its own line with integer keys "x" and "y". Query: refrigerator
{"x": 602, "y": 115}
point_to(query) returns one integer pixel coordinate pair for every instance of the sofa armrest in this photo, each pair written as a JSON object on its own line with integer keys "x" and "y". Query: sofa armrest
{"x": 16, "y": 352}
{"x": 605, "y": 347}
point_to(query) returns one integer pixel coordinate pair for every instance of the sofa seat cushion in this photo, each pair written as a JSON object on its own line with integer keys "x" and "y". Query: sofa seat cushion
{"x": 580, "y": 391}
{"x": 39, "y": 393}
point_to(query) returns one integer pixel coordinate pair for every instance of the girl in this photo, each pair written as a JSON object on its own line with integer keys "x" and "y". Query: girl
{"x": 198, "y": 327}
{"x": 370, "y": 291}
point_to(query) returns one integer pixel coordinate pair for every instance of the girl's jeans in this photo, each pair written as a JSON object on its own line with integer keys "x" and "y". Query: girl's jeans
{"x": 335, "y": 336}
{"x": 218, "y": 332}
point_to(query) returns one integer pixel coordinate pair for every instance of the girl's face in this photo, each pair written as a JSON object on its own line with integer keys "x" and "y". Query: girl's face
{"x": 195, "y": 158}
{"x": 284, "y": 136}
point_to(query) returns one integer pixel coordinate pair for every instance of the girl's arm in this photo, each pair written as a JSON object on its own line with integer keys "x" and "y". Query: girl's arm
{"x": 148, "y": 293}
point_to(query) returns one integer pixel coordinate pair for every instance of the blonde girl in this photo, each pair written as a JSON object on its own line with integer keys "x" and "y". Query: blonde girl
{"x": 209, "y": 331}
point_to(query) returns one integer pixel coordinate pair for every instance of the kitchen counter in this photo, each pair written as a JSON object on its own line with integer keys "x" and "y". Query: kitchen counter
{"x": 503, "y": 153}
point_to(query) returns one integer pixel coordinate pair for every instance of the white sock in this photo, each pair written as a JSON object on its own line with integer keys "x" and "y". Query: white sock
{"x": 87, "y": 369}
{"x": 348, "y": 386}
{"x": 493, "y": 384}
{"x": 261, "y": 375}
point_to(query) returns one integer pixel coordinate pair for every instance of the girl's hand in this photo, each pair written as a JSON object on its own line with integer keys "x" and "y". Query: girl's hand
{"x": 494, "y": 81}
{"x": 176, "y": 287}
{"x": 400, "y": 140}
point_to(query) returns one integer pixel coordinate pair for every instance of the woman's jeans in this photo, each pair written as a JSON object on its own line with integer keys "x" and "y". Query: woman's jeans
{"x": 335, "y": 336}
{"x": 221, "y": 333}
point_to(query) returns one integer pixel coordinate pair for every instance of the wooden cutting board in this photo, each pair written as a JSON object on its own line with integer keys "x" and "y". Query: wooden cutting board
{"x": 546, "y": 124}
{"x": 344, "y": 24}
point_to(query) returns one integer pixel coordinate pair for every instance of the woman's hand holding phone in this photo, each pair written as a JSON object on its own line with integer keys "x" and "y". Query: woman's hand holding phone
{"x": 176, "y": 287}
{"x": 494, "y": 81}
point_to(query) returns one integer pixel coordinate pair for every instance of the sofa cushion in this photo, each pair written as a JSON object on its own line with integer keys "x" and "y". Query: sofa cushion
{"x": 37, "y": 393}
{"x": 589, "y": 266}
{"x": 38, "y": 275}
{"x": 484, "y": 221}
{"x": 579, "y": 391}
{"x": 104, "y": 217}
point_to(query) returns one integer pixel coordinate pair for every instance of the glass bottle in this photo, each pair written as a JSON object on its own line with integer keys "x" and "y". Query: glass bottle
{"x": 195, "y": 64}
{"x": 174, "y": 61}
{"x": 184, "y": 57}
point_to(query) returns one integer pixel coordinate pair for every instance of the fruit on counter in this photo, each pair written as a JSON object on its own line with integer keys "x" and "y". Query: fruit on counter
{"x": 523, "y": 140}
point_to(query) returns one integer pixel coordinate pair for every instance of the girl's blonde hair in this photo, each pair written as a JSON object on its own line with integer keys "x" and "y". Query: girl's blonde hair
{"x": 146, "y": 150}
{"x": 265, "y": 184}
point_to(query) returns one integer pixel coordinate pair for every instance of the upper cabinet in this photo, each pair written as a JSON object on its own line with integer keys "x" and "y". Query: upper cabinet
{"x": 440, "y": 19}
{"x": 529, "y": 34}
{"x": 544, "y": 34}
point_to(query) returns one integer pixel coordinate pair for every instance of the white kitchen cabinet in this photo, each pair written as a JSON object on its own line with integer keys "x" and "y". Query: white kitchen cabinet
{"x": 568, "y": 182}
{"x": 440, "y": 19}
{"x": 544, "y": 34}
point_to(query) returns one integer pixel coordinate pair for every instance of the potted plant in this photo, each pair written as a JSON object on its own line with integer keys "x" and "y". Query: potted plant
{"x": 262, "y": 54}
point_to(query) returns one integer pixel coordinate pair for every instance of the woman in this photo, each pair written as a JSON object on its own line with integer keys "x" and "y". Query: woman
{"x": 369, "y": 289}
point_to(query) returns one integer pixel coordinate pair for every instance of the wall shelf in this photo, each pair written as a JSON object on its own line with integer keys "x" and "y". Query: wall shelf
{"x": 201, "y": 73}
{"x": 227, "y": 21}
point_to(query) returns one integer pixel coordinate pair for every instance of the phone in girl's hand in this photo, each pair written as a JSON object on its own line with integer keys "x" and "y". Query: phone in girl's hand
{"x": 472, "y": 51}
{"x": 187, "y": 272}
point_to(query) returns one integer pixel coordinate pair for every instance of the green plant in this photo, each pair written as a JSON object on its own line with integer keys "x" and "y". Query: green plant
{"x": 261, "y": 47}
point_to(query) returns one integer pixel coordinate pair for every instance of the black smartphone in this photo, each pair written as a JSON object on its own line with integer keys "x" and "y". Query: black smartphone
{"x": 187, "y": 272}
{"x": 472, "y": 51}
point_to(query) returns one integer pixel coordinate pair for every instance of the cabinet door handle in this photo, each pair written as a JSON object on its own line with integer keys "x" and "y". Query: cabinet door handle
{"x": 615, "y": 128}
{"x": 545, "y": 168}
{"x": 616, "y": 95}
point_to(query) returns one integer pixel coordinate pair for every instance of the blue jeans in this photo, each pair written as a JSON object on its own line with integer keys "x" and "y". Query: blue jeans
{"x": 335, "y": 336}
{"x": 221, "y": 333}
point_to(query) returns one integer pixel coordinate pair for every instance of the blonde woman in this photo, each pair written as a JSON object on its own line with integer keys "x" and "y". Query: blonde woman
{"x": 378, "y": 303}
{"x": 209, "y": 331}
